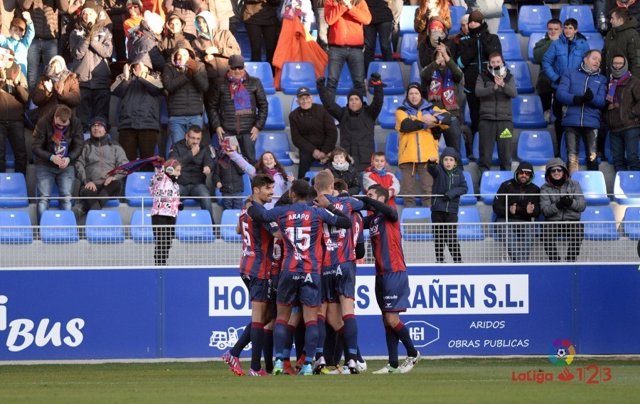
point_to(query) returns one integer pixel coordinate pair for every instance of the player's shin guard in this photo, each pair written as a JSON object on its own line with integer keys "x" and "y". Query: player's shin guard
{"x": 280, "y": 337}
{"x": 310, "y": 339}
{"x": 242, "y": 342}
{"x": 350, "y": 332}
{"x": 392, "y": 346}
{"x": 257, "y": 339}
{"x": 322, "y": 332}
{"x": 267, "y": 350}
{"x": 403, "y": 335}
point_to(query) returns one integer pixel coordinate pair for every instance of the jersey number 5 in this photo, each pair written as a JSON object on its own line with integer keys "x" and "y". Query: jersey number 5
{"x": 299, "y": 237}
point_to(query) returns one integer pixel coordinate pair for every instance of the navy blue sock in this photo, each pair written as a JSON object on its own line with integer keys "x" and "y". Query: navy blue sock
{"x": 257, "y": 340}
{"x": 403, "y": 335}
{"x": 242, "y": 342}
{"x": 392, "y": 346}
{"x": 322, "y": 332}
{"x": 280, "y": 336}
{"x": 267, "y": 350}
{"x": 310, "y": 339}
{"x": 350, "y": 336}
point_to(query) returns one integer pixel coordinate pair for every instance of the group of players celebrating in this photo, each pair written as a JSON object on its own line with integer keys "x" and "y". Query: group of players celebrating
{"x": 299, "y": 263}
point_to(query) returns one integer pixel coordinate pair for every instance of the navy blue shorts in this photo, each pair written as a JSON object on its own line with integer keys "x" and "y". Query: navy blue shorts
{"x": 338, "y": 280}
{"x": 273, "y": 288}
{"x": 392, "y": 291}
{"x": 294, "y": 287}
{"x": 258, "y": 288}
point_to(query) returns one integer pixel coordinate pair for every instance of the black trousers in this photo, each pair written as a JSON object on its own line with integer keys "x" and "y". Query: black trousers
{"x": 102, "y": 191}
{"x": 572, "y": 232}
{"x": 446, "y": 234}
{"x": 164, "y": 231}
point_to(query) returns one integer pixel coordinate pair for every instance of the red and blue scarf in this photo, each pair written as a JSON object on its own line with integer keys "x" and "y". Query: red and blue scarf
{"x": 443, "y": 89}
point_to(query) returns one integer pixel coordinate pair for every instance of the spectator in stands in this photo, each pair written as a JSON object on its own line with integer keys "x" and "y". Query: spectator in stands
{"x": 438, "y": 36}
{"x": 139, "y": 90}
{"x": 419, "y": 125}
{"x": 377, "y": 173}
{"x": 186, "y": 10}
{"x": 517, "y": 202}
{"x": 222, "y": 11}
{"x": 379, "y": 29}
{"x": 166, "y": 203}
{"x": 623, "y": 39}
{"x": 623, "y": 106}
{"x": 143, "y": 42}
{"x": 21, "y": 33}
{"x": 583, "y": 92}
{"x": 117, "y": 13}
{"x": 14, "y": 95}
{"x": 561, "y": 200}
{"x": 346, "y": 19}
{"x": 543, "y": 84}
{"x": 172, "y": 34}
{"x": 426, "y": 12}
{"x": 313, "y": 131}
{"x": 238, "y": 106}
{"x": 91, "y": 49}
{"x": 564, "y": 54}
{"x": 495, "y": 88}
{"x": 492, "y": 12}
{"x": 473, "y": 56}
{"x": 99, "y": 156}
{"x": 356, "y": 120}
{"x": 134, "y": 9}
{"x": 197, "y": 164}
{"x": 185, "y": 80}
{"x": 57, "y": 144}
{"x": 57, "y": 86}
{"x": 441, "y": 80}
{"x": 449, "y": 185}
{"x": 261, "y": 21}
{"x": 228, "y": 179}
{"x": 340, "y": 163}
{"x": 318, "y": 10}
{"x": 214, "y": 46}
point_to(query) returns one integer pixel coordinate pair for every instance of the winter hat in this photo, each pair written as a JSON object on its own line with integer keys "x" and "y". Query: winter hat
{"x": 356, "y": 93}
{"x": 60, "y": 60}
{"x": 464, "y": 19}
{"x": 476, "y": 16}
{"x": 236, "y": 61}
{"x": 98, "y": 120}
{"x": 154, "y": 22}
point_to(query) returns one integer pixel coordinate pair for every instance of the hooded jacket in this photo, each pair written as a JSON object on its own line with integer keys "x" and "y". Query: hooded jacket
{"x": 98, "y": 157}
{"x": 564, "y": 55}
{"x": 575, "y": 83}
{"x": 91, "y": 48}
{"x": 185, "y": 87}
{"x": 474, "y": 51}
{"x": 448, "y": 185}
{"x": 550, "y": 194}
{"x": 169, "y": 39}
{"x": 66, "y": 90}
{"x": 224, "y": 42}
{"x": 144, "y": 46}
{"x": 624, "y": 40}
{"x": 495, "y": 104}
{"x": 511, "y": 191}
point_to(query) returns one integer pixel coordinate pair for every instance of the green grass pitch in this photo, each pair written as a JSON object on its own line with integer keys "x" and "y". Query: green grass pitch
{"x": 439, "y": 381}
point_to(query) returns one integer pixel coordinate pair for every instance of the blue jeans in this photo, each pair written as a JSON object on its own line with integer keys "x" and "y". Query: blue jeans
{"x": 199, "y": 190}
{"x": 233, "y": 203}
{"x": 625, "y": 141}
{"x": 179, "y": 125}
{"x": 39, "y": 50}
{"x": 354, "y": 58}
{"x": 46, "y": 176}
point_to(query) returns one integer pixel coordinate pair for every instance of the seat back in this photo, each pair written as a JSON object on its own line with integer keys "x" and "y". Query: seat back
{"x": 533, "y": 18}
{"x": 626, "y": 187}
{"x": 510, "y": 46}
{"x": 387, "y": 117}
{"x": 528, "y": 112}
{"x": 262, "y": 70}
{"x": 522, "y": 76}
{"x": 582, "y": 14}
{"x": 599, "y": 224}
{"x": 296, "y": 75}
{"x": 140, "y": 226}
{"x": 15, "y": 227}
{"x": 136, "y": 189}
{"x": 275, "y": 142}
{"x": 275, "y": 117}
{"x": 470, "y": 225}
{"x": 104, "y": 227}
{"x": 391, "y": 74}
{"x": 228, "y": 224}
{"x": 593, "y": 186}
{"x": 490, "y": 183}
{"x": 58, "y": 227}
{"x": 415, "y": 224}
{"x": 536, "y": 147}
{"x": 13, "y": 190}
{"x": 194, "y": 226}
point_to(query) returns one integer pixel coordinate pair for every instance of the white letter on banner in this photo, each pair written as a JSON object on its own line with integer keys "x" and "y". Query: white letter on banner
{"x": 20, "y": 328}
{"x": 228, "y": 297}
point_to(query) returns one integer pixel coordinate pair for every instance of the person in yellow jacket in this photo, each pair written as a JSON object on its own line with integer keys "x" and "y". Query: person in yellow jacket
{"x": 419, "y": 125}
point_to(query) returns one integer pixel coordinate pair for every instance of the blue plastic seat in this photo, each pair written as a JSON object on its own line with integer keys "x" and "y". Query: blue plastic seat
{"x": 391, "y": 148}
{"x": 470, "y": 224}
{"x": 595, "y": 40}
{"x": 469, "y": 198}
{"x": 582, "y": 14}
{"x": 296, "y": 75}
{"x": 275, "y": 117}
{"x": 414, "y": 73}
{"x": 536, "y": 147}
{"x": 533, "y": 39}
{"x": 409, "y": 48}
{"x": 58, "y": 227}
{"x": 136, "y": 189}
{"x": 510, "y": 46}
{"x": 228, "y": 223}
{"x": 262, "y": 70}
{"x": 387, "y": 117}
{"x": 15, "y": 227}
{"x": 391, "y": 74}
{"x": 275, "y": 142}
{"x": 626, "y": 187}
{"x": 141, "y": 231}
{"x": 538, "y": 178}
{"x": 104, "y": 227}
{"x": 505, "y": 20}
{"x": 194, "y": 226}
{"x": 533, "y": 18}
{"x": 593, "y": 187}
{"x": 415, "y": 224}
{"x": 456, "y": 14}
{"x": 13, "y": 190}
{"x": 495, "y": 160}
{"x": 341, "y": 100}
{"x": 527, "y": 112}
{"x": 406, "y": 19}
{"x": 246, "y": 181}
{"x": 631, "y": 222}
{"x": 490, "y": 183}
{"x": 310, "y": 175}
{"x": 522, "y": 75}
{"x": 345, "y": 82}
{"x": 605, "y": 230}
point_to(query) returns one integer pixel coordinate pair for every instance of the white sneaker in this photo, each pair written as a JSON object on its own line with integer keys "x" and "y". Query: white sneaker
{"x": 318, "y": 365}
{"x": 409, "y": 363}
{"x": 362, "y": 366}
{"x": 387, "y": 370}
{"x": 353, "y": 367}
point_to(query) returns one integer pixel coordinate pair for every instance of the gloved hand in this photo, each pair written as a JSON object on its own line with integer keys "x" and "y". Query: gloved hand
{"x": 564, "y": 202}
{"x": 588, "y": 95}
{"x": 375, "y": 79}
{"x": 579, "y": 100}
{"x": 191, "y": 66}
{"x": 320, "y": 81}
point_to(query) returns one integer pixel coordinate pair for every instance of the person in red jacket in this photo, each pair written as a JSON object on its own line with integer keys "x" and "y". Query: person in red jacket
{"x": 377, "y": 174}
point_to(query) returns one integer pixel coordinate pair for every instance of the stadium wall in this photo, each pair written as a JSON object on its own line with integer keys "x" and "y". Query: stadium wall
{"x": 53, "y": 314}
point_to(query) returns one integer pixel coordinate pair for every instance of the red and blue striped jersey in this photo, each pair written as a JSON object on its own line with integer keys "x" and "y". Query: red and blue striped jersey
{"x": 386, "y": 242}
{"x": 276, "y": 255}
{"x": 357, "y": 226}
{"x": 257, "y": 244}
{"x": 340, "y": 247}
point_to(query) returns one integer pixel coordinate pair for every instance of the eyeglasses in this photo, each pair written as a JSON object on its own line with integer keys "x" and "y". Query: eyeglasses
{"x": 524, "y": 173}
{"x": 236, "y": 68}
{"x": 556, "y": 170}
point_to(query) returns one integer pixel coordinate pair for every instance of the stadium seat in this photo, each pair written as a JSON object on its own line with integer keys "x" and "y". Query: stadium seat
{"x": 310, "y": 175}
{"x": 467, "y": 114}
{"x": 469, "y": 198}
{"x": 341, "y": 100}
{"x": 470, "y": 224}
{"x": 275, "y": 117}
{"x": 15, "y": 227}
{"x": 533, "y": 18}
{"x": 582, "y": 14}
{"x": 538, "y": 178}
{"x": 510, "y": 46}
{"x": 140, "y": 229}
{"x": 262, "y": 70}
{"x": 626, "y": 187}
{"x": 406, "y": 19}
{"x": 228, "y": 224}
{"x": 505, "y": 21}
{"x": 605, "y": 230}
{"x": 104, "y": 227}
{"x": 631, "y": 222}
{"x": 533, "y": 39}
{"x": 593, "y": 187}
{"x": 522, "y": 75}
{"x": 414, "y": 224}
{"x": 414, "y": 73}
{"x": 391, "y": 148}
{"x": 294, "y": 102}
{"x": 9, "y": 157}
{"x": 409, "y": 48}
{"x": 136, "y": 189}
{"x": 194, "y": 226}
{"x": 595, "y": 40}
{"x": 456, "y": 14}
{"x": 387, "y": 117}
{"x": 528, "y": 113}
{"x": 58, "y": 227}
{"x": 296, "y": 75}
{"x": 246, "y": 180}
{"x": 536, "y": 147}
{"x": 495, "y": 160}
{"x": 13, "y": 190}
{"x": 391, "y": 74}
{"x": 345, "y": 83}
{"x": 275, "y": 142}
{"x": 490, "y": 183}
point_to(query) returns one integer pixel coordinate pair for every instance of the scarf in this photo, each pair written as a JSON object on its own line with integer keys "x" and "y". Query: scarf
{"x": 239, "y": 94}
{"x": 60, "y": 144}
{"x": 340, "y": 166}
{"x": 614, "y": 83}
{"x": 381, "y": 172}
{"x": 413, "y": 110}
{"x": 443, "y": 89}
{"x": 271, "y": 171}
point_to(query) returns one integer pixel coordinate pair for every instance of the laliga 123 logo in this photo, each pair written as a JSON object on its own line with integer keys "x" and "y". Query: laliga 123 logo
{"x": 562, "y": 352}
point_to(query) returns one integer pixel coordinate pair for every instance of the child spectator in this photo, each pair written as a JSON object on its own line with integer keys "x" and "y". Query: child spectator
{"x": 166, "y": 203}
{"x": 21, "y": 34}
{"x": 340, "y": 163}
{"x": 448, "y": 185}
{"x": 227, "y": 177}
{"x": 377, "y": 174}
